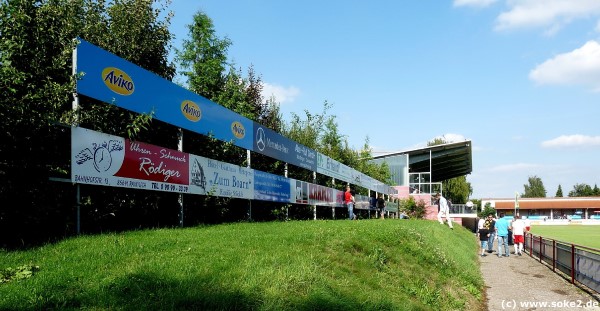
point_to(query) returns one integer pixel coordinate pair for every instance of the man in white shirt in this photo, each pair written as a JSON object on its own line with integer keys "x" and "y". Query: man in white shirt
{"x": 518, "y": 231}
{"x": 444, "y": 210}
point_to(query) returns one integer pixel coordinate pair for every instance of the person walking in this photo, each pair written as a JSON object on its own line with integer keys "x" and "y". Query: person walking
{"x": 349, "y": 201}
{"x": 444, "y": 210}
{"x": 484, "y": 235}
{"x": 381, "y": 206}
{"x": 501, "y": 228}
{"x": 518, "y": 231}
{"x": 490, "y": 224}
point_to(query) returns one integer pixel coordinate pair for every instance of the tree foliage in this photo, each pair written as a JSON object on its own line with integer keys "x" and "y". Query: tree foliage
{"x": 535, "y": 188}
{"x": 320, "y": 132}
{"x": 487, "y": 210}
{"x": 36, "y": 87}
{"x": 581, "y": 190}
{"x": 559, "y": 192}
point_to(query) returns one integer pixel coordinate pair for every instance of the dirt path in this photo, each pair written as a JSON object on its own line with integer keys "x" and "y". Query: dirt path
{"x": 523, "y": 283}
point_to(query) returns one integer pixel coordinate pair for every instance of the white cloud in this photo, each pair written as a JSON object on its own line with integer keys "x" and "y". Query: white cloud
{"x": 282, "y": 94}
{"x": 514, "y": 167}
{"x": 569, "y": 141}
{"x": 545, "y": 13}
{"x": 474, "y": 3}
{"x": 580, "y": 66}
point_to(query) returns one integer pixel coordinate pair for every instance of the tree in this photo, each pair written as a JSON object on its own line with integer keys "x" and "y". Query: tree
{"x": 596, "y": 191}
{"x": 581, "y": 190}
{"x": 535, "y": 188}
{"x": 36, "y": 86}
{"x": 457, "y": 189}
{"x": 204, "y": 58}
{"x": 488, "y": 209}
{"x": 559, "y": 193}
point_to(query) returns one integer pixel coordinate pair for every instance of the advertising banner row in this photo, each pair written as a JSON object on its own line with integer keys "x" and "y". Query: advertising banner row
{"x": 111, "y": 79}
{"x": 107, "y": 160}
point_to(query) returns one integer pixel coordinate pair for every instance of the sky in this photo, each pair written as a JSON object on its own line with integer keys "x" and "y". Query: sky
{"x": 520, "y": 79}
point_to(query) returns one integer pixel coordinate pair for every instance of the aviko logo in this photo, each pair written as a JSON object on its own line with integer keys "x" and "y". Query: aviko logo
{"x": 191, "y": 110}
{"x": 118, "y": 81}
{"x": 238, "y": 129}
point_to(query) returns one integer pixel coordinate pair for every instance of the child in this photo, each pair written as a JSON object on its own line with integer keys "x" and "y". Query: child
{"x": 483, "y": 234}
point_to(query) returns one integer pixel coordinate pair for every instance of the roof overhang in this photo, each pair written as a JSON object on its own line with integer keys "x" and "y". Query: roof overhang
{"x": 445, "y": 161}
{"x": 547, "y": 203}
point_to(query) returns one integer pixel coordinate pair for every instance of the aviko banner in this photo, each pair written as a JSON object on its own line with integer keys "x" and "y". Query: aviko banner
{"x": 111, "y": 79}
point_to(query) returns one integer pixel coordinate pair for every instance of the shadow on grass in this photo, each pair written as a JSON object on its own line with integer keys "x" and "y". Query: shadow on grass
{"x": 150, "y": 291}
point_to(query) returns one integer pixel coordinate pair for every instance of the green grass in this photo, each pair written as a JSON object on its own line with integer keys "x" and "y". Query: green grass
{"x": 303, "y": 265}
{"x": 576, "y": 234}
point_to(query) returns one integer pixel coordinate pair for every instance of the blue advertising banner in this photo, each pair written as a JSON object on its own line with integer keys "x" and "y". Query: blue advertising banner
{"x": 109, "y": 78}
{"x": 275, "y": 145}
{"x": 330, "y": 167}
{"x": 270, "y": 187}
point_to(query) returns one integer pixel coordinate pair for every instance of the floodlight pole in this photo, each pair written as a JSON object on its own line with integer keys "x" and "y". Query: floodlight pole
{"x": 516, "y": 204}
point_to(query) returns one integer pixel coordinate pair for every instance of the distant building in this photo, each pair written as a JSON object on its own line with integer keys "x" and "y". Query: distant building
{"x": 572, "y": 208}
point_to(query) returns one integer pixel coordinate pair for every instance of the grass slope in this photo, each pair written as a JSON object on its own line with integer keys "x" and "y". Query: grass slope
{"x": 300, "y": 265}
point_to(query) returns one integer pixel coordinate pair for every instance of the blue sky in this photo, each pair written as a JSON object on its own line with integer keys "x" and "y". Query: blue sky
{"x": 519, "y": 78}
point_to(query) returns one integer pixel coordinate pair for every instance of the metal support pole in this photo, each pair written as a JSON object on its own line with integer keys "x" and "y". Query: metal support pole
{"x": 75, "y": 107}
{"x": 78, "y": 204}
{"x": 553, "y": 255}
{"x": 180, "y": 197}
{"x": 287, "y": 209}
{"x": 248, "y": 161}
{"x": 315, "y": 206}
{"x": 541, "y": 245}
{"x": 572, "y": 263}
{"x": 333, "y": 201}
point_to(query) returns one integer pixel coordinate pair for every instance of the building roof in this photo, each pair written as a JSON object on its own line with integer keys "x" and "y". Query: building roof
{"x": 447, "y": 160}
{"x": 547, "y": 203}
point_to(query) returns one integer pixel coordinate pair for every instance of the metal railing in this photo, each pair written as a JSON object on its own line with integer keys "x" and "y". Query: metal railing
{"x": 463, "y": 209}
{"x": 580, "y": 264}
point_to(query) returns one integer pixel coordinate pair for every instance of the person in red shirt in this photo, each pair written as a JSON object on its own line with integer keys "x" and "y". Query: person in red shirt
{"x": 349, "y": 201}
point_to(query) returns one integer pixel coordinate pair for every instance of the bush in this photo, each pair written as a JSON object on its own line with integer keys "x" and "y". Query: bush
{"x": 414, "y": 209}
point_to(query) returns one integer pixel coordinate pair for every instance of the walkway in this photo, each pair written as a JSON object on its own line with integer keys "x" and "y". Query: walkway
{"x": 523, "y": 283}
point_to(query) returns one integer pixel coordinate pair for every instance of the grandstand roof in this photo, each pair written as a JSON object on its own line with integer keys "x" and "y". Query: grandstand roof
{"x": 547, "y": 203}
{"x": 447, "y": 160}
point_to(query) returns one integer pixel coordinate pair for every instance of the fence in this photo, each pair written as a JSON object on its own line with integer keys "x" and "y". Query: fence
{"x": 579, "y": 263}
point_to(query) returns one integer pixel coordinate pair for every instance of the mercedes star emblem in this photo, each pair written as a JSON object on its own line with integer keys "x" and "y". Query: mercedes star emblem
{"x": 260, "y": 139}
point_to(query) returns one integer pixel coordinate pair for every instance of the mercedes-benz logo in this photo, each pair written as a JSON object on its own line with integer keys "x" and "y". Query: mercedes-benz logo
{"x": 260, "y": 139}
